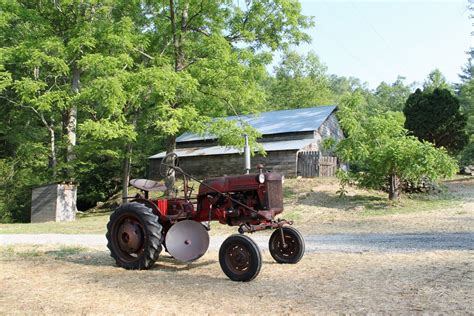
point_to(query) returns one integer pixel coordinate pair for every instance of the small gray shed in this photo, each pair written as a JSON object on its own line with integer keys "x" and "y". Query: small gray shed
{"x": 54, "y": 202}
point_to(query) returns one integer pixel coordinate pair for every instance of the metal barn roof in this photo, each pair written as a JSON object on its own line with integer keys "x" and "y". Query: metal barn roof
{"x": 276, "y": 122}
{"x": 222, "y": 150}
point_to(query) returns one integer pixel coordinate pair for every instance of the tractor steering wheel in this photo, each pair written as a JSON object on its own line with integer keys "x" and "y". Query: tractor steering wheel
{"x": 168, "y": 163}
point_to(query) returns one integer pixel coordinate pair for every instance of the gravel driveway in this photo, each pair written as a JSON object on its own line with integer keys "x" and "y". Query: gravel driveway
{"x": 349, "y": 243}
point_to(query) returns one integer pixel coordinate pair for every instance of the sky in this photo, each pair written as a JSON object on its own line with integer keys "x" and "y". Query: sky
{"x": 377, "y": 41}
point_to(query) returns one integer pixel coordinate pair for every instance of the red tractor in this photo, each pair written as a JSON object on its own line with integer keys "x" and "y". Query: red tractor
{"x": 138, "y": 230}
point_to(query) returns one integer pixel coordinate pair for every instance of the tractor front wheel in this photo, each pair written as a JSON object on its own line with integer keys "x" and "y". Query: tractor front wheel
{"x": 286, "y": 245}
{"x": 240, "y": 258}
{"x": 134, "y": 236}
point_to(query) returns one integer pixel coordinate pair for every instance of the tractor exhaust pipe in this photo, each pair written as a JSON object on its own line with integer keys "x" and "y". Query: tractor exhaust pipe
{"x": 247, "y": 154}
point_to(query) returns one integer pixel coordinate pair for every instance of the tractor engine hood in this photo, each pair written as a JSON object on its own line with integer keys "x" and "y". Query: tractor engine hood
{"x": 246, "y": 182}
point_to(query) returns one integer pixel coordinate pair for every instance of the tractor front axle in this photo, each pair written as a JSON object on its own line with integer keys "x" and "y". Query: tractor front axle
{"x": 247, "y": 228}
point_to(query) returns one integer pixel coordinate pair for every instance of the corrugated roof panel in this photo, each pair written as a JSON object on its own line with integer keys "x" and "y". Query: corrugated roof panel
{"x": 222, "y": 150}
{"x": 276, "y": 122}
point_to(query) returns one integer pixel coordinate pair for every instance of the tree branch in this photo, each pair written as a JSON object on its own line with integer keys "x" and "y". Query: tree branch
{"x": 164, "y": 48}
{"x": 143, "y": 53}
{"x": 198, "y": 30}
{"x": 40, "y": 115}
{"x": 195, "y": 15}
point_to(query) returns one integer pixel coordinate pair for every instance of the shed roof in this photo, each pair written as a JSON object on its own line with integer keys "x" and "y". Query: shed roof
{"x": 277, "y": 122}
{"x": 222, "y": 150}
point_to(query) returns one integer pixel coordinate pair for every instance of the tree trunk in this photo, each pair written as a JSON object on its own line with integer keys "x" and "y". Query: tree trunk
{"x": 71, "y": 120}
{"x": 170, "y": 180}
{"x": 394, "y": 190}
{"x": 126, "y": 172}
{"x": 178, "y": 37}
{"x": 126, "y": 164}
{"x": 179, "y": 65}
{"x": 54, "y": 160}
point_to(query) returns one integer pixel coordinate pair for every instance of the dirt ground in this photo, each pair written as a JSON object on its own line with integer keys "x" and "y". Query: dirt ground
{"x": 52, "y": 281}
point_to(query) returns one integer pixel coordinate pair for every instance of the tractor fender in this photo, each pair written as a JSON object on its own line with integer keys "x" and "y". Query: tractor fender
{"x": 150, "y": 205}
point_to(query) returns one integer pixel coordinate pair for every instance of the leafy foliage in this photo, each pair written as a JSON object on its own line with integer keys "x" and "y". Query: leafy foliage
{"x": 392, "y": 97}
{"x": 381, "y": 149}
{"x": 134, "y": 74}
{"x": 300, "y": 81}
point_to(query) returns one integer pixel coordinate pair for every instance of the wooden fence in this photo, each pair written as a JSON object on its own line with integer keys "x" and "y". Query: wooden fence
{"x": 312, "y": 164}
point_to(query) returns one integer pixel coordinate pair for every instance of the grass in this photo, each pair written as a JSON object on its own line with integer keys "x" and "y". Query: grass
{"x": 91, "y": 223}
{"x": 308, "y": 201}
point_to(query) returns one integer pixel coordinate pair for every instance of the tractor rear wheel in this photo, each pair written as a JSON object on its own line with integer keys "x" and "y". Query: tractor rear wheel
{"x": 134, "y": 236}
{"x": 240, "y": 258}
{"x": 292, "y": 250}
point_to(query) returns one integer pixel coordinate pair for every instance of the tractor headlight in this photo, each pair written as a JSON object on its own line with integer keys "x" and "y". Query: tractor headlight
{"x": 261, "y": 178}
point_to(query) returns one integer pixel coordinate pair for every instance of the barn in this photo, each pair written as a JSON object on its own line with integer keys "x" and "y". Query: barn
{"x": 291, "y": 138}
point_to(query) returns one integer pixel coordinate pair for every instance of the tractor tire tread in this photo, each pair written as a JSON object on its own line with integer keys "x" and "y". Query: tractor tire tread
{"x": 153, "y": 229}
{"x": 254, "y": 250}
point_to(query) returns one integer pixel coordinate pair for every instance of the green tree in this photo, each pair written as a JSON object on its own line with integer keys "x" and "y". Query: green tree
{"x": 392, "y": 97}
{"x": 70, "y": 61}
{"x": 124, "y": 77}
{"x": 434, "y": 116}
{"x": 300, "y": 81}
{"x": 383, "y": 151}
{"x": 436, "y": 80}
{"x": 465, "y": 92}
{"x": 223, "y": 46}
{"x": 342, "y": 87}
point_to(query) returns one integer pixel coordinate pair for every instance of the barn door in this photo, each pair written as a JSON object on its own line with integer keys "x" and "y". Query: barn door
{"x": 312, "y": 164}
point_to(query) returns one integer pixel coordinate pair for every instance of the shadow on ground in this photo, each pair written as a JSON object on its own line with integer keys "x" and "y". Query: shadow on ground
{"x": 330, "y": 200}
{"x": 102, "y": 258}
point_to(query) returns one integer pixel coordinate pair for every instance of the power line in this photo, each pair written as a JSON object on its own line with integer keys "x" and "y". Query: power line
{"x": 372, "y": 27}
{"x": 347, "y": 51}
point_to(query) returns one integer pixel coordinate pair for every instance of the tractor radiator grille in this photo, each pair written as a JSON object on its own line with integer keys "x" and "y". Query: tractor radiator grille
{"x": 274, "y": 194}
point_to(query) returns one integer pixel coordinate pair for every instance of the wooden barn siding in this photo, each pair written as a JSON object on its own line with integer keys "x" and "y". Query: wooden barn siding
{"x": 218, "y": 165}
{"x": 331, "y": 128}
{"x": 44, "y": 203}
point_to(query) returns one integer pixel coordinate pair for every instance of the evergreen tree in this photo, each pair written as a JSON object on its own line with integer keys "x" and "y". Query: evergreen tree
{"x": 435, "y": 117}
{"x": 436, "y": 80}
{"x": 465, "y": 92}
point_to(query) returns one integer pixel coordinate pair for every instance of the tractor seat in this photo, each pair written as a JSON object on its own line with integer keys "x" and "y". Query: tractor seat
{"x": 148, "y": 185}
